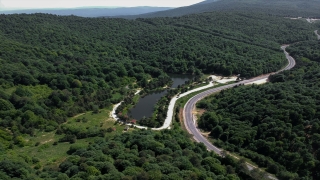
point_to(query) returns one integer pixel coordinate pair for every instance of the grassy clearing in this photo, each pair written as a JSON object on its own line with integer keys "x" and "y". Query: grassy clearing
{"x": 101, "y": 120}
{"x": 38, "y": 91}
{"x": 45, "y": 146}
{"x": 116, "y": 97}
{"x": 90, "y": 119}
{"x": 9, "y": 91}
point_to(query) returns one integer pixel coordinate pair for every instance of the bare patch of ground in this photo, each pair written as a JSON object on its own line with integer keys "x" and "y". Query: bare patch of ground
{"x": 198, "y": 112}
{"x": 223, "y": 79}
{"x": 312, "y": 20}
{"x": 47, "y": 141}
{"x": 261, "y": 81}
{"x": 78, "y": 115}
{"x": 181, "y": 119}
{"x": 205, "y": 134}
{"x": 138, "y": 91}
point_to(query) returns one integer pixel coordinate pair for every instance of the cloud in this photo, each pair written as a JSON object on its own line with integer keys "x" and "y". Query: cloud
{"x": 1, "y": 6}
{"x": 22, "y": 4}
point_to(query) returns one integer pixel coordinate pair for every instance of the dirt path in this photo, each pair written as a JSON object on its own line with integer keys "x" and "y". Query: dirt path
{"x": 76, "y": 116}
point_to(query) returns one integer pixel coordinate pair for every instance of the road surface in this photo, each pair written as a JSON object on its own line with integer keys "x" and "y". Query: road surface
{"x": 316, "y": 31}
{"x": 188, "y": 116}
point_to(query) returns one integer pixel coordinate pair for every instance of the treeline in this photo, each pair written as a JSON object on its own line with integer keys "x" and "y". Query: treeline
{"x": 277, "y": 124}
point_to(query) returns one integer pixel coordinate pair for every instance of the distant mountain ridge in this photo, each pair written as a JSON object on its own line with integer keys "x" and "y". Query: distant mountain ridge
{"x": 92, "y": 11}
{"x": 207, "y": 2}
{"x": 292, "y": 8}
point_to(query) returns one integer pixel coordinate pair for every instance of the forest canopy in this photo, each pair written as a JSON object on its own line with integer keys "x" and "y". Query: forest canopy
{"x": 55, "y": 67}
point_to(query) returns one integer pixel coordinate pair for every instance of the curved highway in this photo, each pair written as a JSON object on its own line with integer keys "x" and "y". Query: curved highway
{"x": 189, "y": 119}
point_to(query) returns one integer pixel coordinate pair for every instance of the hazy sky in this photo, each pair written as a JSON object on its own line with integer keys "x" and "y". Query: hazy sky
{"x": 31, "y": 4}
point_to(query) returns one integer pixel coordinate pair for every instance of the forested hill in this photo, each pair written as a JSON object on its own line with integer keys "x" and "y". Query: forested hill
{"x": 276, "y": 124}
{"x": 53, "y": 67}
{"x": 290, "y": 8}
{"x": 91, "y": 12}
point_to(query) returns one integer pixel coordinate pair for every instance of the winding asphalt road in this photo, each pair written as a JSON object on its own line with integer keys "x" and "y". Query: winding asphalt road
{"x": 189, "y": 119}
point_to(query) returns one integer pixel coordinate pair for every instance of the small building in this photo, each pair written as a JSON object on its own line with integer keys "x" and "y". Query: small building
{"x": 126, "y": 128}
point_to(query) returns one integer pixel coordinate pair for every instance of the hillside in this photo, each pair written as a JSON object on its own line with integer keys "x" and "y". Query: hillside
{"x": 61, "y": 75}
{"x": 285, "y": 8}
{"x": 276, "y": 124}
{"x": 91, "y": 12}
{"x": 86, "y": 57}
{"x": 79, "y": 64}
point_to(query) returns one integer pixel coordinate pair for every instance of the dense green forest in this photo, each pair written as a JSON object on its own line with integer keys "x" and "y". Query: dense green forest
{"x": 55, "y": 67}
{"x": 143, "y": 154}
{"x": 276, "y": 124}
{"x": 282, "y": 8}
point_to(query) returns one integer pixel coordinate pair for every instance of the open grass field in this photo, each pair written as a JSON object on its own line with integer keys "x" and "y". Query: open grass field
{"x": 49, "y": 152}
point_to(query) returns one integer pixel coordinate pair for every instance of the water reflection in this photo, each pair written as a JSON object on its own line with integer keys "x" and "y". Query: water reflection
{"x": 145, "y": 106}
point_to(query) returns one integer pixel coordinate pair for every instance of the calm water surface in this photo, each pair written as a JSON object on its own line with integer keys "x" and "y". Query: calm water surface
{"x": 145, "y": 106}
{"x": 179, "y": 79}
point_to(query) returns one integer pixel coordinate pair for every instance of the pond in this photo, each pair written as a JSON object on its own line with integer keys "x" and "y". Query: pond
{"x": 145, "y": 106}
{"x": 179, "y": 79}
